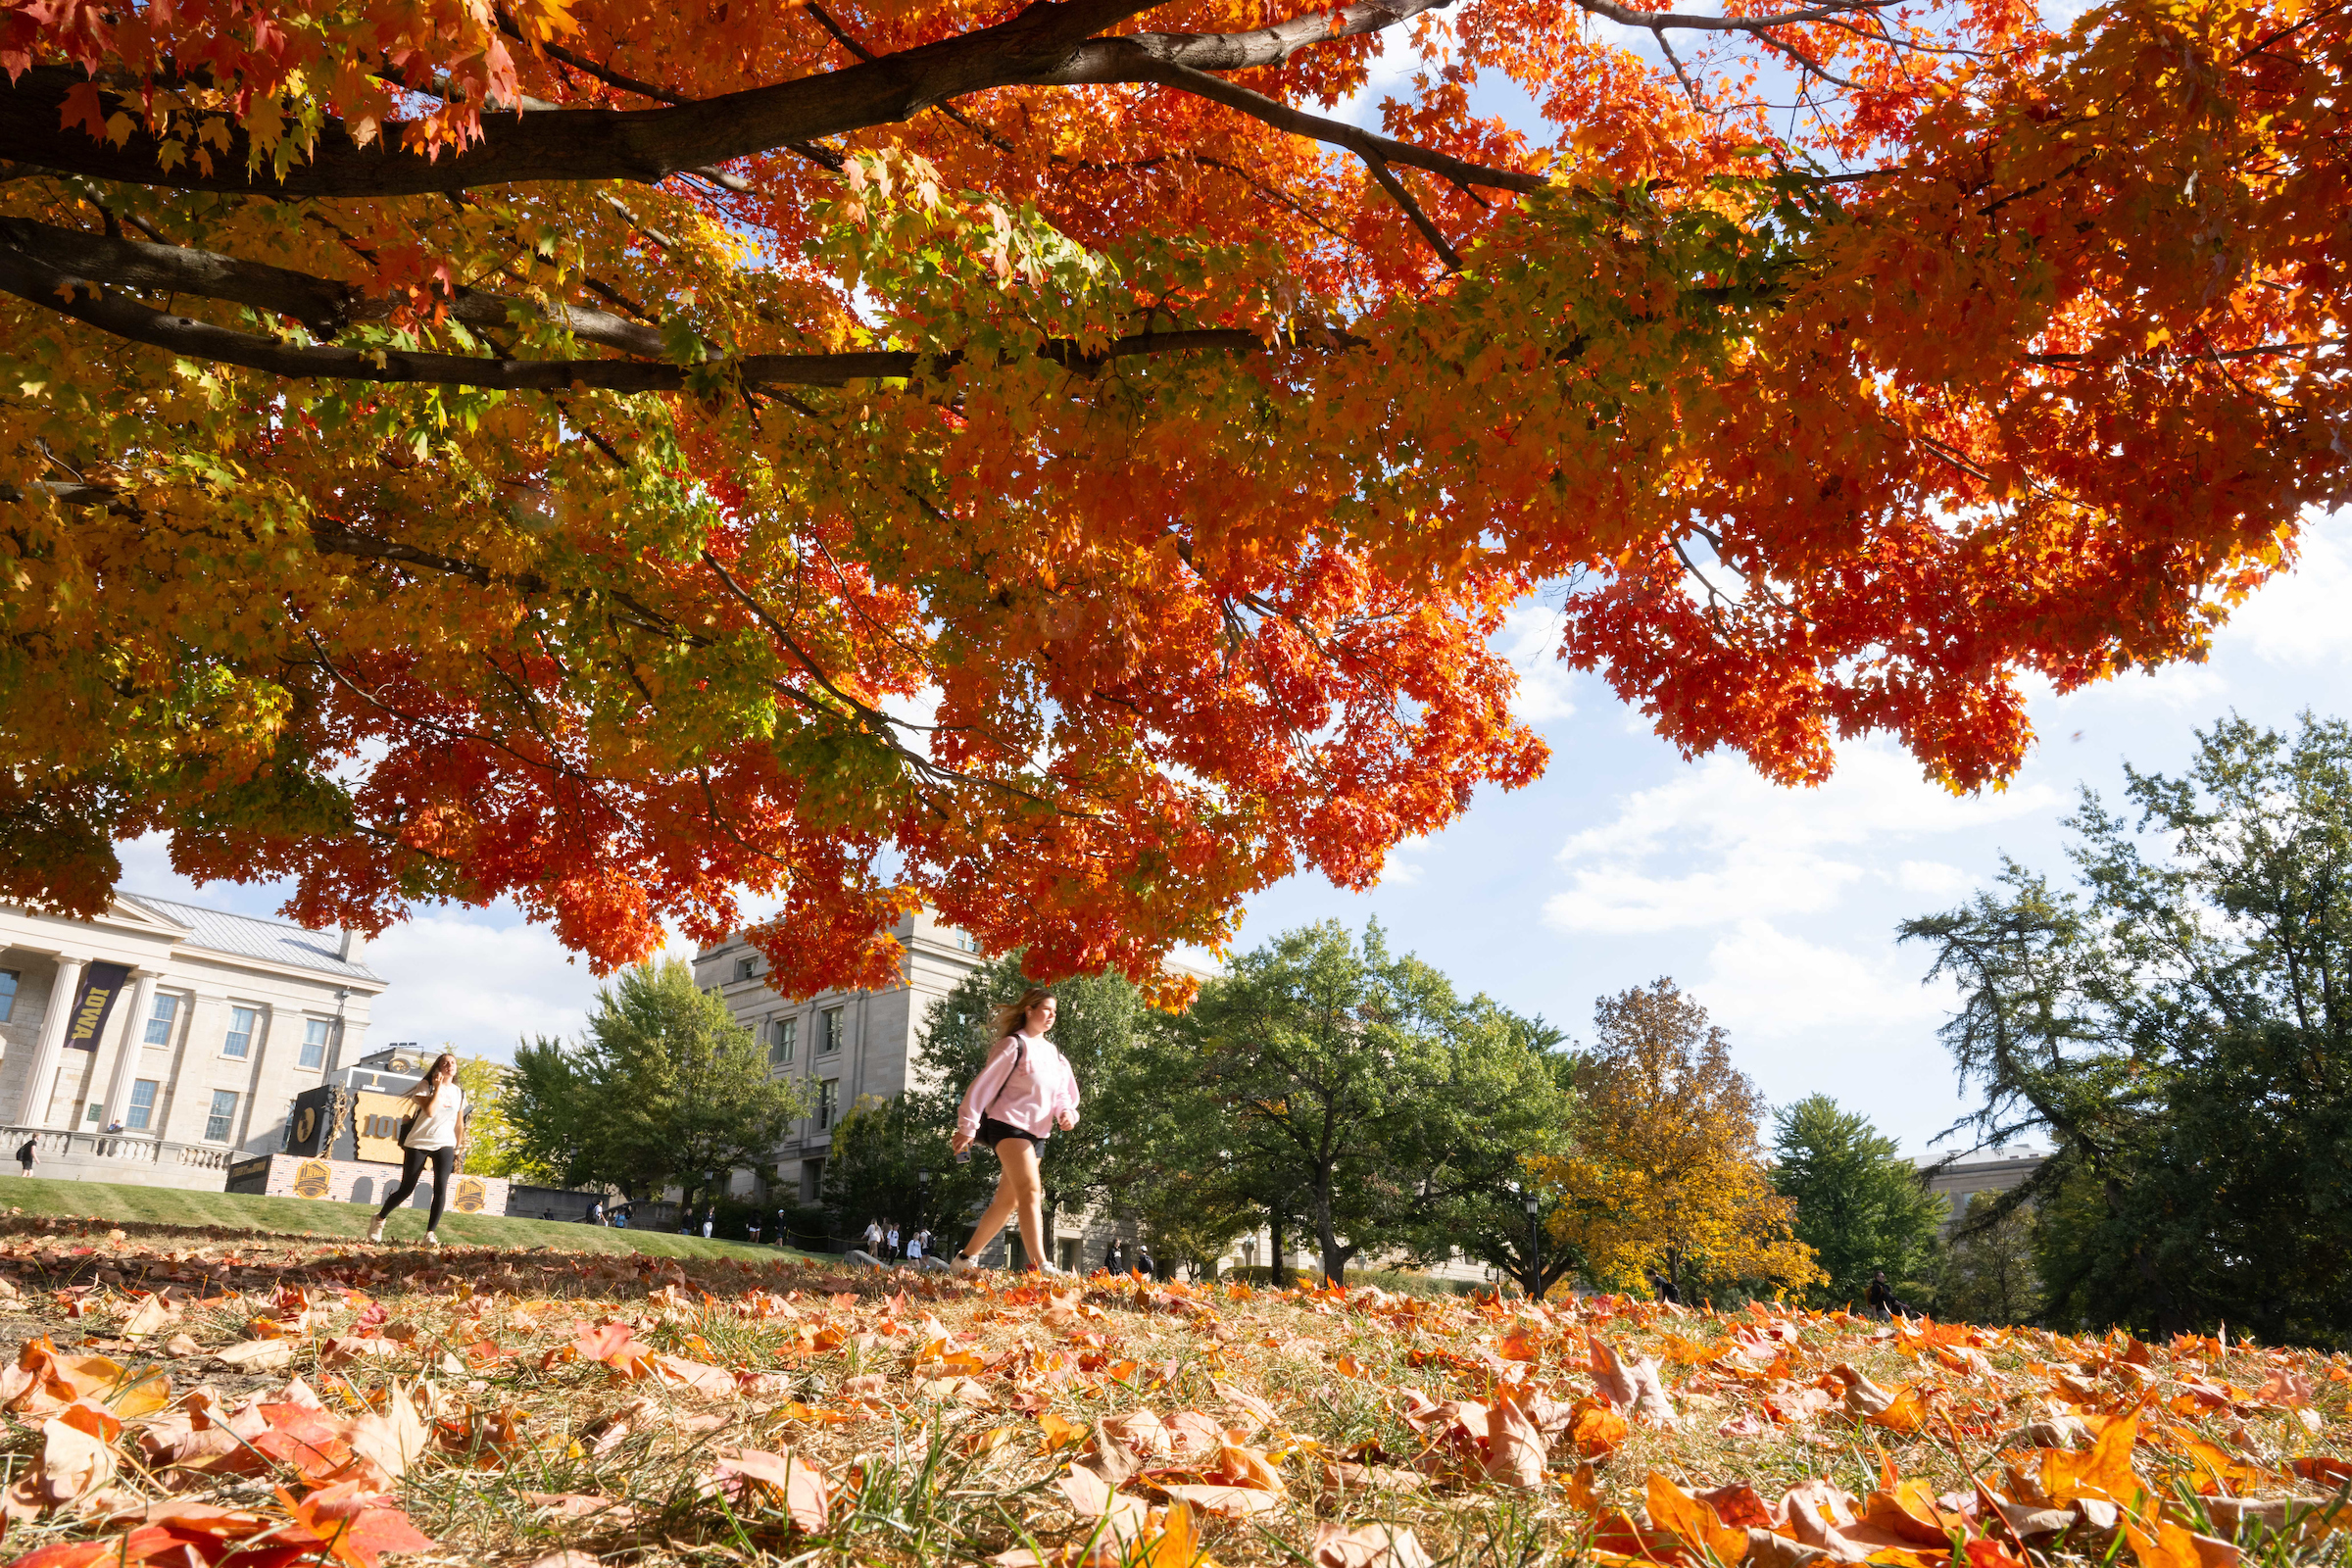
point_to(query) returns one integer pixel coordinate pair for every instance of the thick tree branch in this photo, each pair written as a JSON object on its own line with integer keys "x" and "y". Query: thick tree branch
{"x": 53, "y": 287}
{"x": 1412, "y": 209}
{"x": 323, "y": 305}
{"x": 1052, "y": 43}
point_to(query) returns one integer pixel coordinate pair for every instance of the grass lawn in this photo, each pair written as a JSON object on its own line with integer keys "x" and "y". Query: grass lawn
{"x": 123, "y": 1204}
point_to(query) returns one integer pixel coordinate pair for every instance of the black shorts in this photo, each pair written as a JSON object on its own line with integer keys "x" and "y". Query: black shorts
{"x": 994, "y": 1132}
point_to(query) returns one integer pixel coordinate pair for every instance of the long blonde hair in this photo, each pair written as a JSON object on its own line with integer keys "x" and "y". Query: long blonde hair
{"x": 1010, "y": 1018}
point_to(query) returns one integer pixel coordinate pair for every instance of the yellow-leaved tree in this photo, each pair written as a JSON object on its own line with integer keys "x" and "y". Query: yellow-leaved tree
{"x": 1667, "y": 1173}
{"x": 491, "y": 1148}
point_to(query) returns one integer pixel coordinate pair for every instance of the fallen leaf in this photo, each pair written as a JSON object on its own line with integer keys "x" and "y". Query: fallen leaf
{"x": 782, "y": 1477}
{"x": 1338, "y": 1546}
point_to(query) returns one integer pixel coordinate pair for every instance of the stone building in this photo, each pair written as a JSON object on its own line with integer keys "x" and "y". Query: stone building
{"x": 202, "y": 1026}
{"x": 843, "y": 1044}
{"x": 1990, "y": 1170}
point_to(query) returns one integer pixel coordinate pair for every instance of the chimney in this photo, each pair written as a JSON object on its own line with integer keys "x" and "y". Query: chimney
{"x": 350, "y": 944}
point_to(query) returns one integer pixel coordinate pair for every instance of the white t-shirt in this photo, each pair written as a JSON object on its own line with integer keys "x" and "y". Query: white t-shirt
{"x": 437, "y": 1124}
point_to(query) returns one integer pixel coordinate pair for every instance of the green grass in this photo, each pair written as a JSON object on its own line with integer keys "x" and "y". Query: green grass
{"x": 308, "y": 1216}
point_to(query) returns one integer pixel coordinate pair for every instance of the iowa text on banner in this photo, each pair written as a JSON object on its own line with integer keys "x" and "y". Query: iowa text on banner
{"x": 101, "y": 984}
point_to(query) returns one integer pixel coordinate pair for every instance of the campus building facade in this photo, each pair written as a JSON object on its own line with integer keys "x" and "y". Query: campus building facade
{"x": 190, "y": 1030}
{"x": 841, "y": 1045}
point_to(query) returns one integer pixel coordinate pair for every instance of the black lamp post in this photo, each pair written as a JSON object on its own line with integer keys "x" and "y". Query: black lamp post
{"x": 922, "y": 1198}
{"x": 1535, "y": 1246}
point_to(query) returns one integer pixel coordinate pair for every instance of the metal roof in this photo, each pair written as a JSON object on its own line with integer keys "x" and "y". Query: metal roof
{"x": 243, "y": 936}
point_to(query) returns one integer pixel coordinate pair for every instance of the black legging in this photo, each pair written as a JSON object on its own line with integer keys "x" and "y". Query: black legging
{"x": 411, "y": 1166}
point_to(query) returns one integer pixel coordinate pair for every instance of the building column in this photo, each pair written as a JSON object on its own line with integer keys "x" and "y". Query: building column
{"x": 135, "y": 1041}
{"x": 35, "y": 1113}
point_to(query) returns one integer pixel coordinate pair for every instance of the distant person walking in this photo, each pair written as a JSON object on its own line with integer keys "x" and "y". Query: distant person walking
{"x": 1881, "y": 1297}
{"x": 890, "y": 1244}
{"x": 436, "y": 1133}
{"x": 914, "y": 1248}
{"x": 1143, "y": 1261}
{"x": 596, "y": 1211}
{"x": 872, "y": 1238}
{"x": 1021, "y": 1095}
{"x": 26, "y": 1155}
{"x": 710, "y": 1217}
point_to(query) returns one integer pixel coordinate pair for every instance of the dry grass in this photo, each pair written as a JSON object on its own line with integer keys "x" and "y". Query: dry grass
{"x": 944, "y": 1416}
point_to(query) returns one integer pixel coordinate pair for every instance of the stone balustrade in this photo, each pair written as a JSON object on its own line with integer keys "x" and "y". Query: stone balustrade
{"x": 72, "y": 1155}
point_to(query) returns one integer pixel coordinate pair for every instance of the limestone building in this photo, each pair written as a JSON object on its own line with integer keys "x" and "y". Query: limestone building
{"x": 844, "y": 1045}
{"x": 191, "y": 1030}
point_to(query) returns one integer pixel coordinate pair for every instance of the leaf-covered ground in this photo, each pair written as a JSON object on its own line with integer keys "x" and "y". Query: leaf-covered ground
{"x": 175, "y": 1397}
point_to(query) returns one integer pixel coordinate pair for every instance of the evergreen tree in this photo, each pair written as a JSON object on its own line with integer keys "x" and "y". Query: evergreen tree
{"x": 2181, "y": 1027}
{"x": 1860, "y": 1206}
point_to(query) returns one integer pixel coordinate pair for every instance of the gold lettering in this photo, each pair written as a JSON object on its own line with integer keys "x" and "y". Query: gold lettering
{"x": 85, "y": 1023}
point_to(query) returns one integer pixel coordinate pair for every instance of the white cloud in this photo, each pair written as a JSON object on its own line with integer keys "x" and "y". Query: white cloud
{"x": 477, "y": 986}
{"x": 1531, "y": 641}
{"x": 2301, "y": 619}
{"x": 1720, "y": 843}
{"x": 1935, "y": 879}
{"x": 1762, "y": 981}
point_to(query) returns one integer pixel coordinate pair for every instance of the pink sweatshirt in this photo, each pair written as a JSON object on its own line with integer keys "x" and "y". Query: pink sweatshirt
{"x": 1027, "y": 1084}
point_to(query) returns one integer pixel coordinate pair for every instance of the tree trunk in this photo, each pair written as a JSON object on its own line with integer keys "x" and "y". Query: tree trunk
{"x": 1279, "y": 1265}
{"x": 1334, "y": 1257}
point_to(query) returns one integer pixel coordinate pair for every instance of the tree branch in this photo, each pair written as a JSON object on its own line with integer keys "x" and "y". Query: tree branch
{"x": 44, "y": 283}
{"x": 1412, "y": 209}
{"x": 1050, "y": 43}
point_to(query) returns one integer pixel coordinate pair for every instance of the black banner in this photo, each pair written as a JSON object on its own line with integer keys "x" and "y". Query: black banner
{"x": 101, "y": 984}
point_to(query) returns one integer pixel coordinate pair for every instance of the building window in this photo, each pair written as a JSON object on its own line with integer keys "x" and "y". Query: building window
{"x": 828, "y": 1102}
{"x": 218, "y": 1125}
{"x": 829, "y": 1037}
{"x": 8, "y": 994}
{"x": 314, "y": 1044}
{"x": 142, "y": 1105}
{"x": 745, "y": 968}
{"x": 812, "y": 1181}
{"x": 158, "y": 1022}
{"x": 240, "y": 1031}
{"x": 783, "y": 1039}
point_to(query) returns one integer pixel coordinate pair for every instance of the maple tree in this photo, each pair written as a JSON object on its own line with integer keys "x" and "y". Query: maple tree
{"x": 1667, "y": 1171}
{"x": 1045, "y": 463}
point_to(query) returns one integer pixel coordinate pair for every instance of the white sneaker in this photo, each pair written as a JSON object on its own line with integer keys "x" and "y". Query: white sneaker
{"x": 376, "y": 1230}
{"x": 966, "y": 1265}
{"x": 432, "y": 1239}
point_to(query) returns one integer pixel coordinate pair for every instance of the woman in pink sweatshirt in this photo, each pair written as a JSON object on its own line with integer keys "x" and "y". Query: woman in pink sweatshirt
{"x": 1025, "y": 1092}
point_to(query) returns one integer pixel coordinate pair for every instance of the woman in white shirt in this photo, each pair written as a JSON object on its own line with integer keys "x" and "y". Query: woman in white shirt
{"x": 437, "y": 1132}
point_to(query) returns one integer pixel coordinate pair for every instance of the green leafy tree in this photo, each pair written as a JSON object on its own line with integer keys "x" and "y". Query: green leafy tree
{"x": 891, "y": 1159}
{"x": 1986, "y": 1274}
{"x": 2181, "y": 1026}
{"x": 1860, "y": 1205}
{"x": 1356, "y": 1094}
{"x": 1510, "y": 1101}
{"x": 666, "y": 1089}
